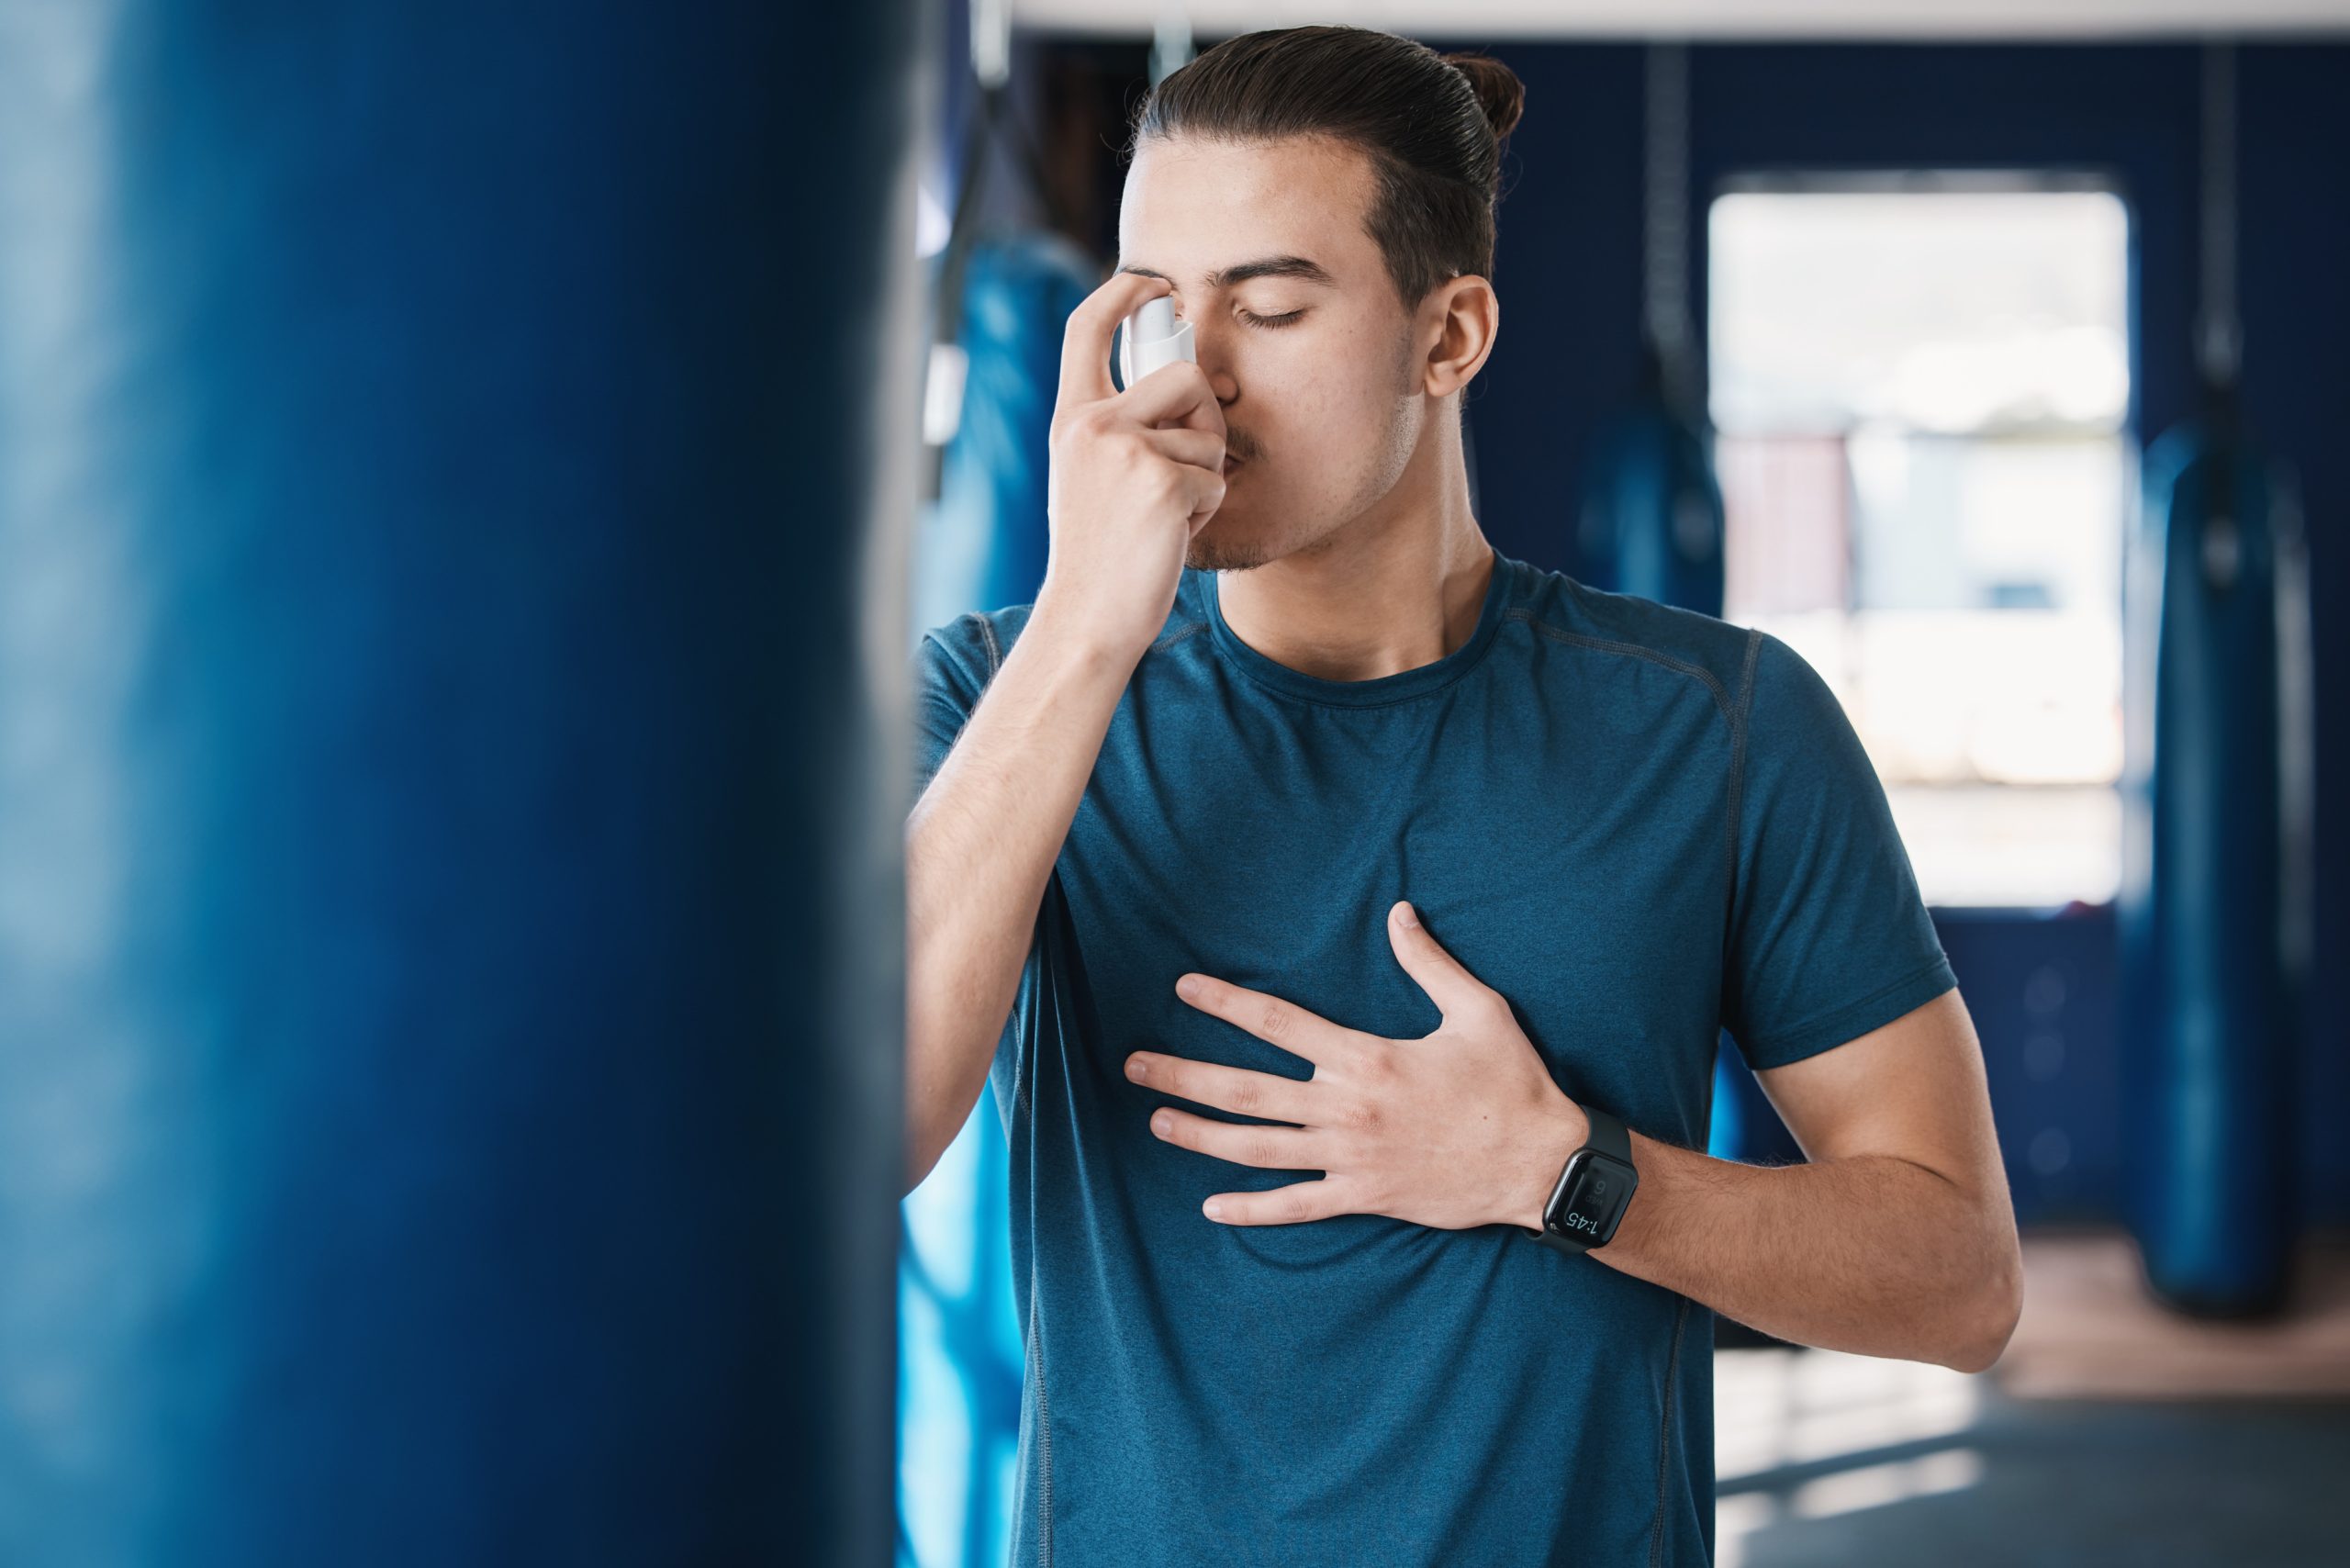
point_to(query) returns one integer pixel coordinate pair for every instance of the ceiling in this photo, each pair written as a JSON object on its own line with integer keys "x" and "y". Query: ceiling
{"x": 1709, "y": 18}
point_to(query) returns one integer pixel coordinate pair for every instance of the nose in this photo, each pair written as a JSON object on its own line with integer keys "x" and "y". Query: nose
{"x": 1211, "y": 346}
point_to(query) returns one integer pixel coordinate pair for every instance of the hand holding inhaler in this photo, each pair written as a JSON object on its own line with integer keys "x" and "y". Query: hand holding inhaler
{"x": 1133, "y": 474}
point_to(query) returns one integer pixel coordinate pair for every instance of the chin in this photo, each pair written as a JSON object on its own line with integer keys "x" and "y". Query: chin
{"x": 1226, "y": 546}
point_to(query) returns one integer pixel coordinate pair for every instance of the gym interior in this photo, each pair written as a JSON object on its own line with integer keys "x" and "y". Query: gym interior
{"x": 474, "y": 481}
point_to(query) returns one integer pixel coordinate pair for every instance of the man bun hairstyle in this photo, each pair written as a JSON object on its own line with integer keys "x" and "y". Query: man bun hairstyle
{"x": 1432, "y": 126}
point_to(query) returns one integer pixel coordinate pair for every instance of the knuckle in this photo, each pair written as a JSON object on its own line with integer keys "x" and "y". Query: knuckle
{"x": 1258, "y": 1150}
{"x": 1274, "y": 1021}
{"x": 1247, "y": 1096}
{"x": 1362, "y": 1116}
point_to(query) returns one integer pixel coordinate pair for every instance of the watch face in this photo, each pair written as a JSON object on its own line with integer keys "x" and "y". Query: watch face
{"x": 1593, "y": 1198}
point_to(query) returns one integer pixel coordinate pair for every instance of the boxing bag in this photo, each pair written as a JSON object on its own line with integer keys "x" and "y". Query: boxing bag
{"x": 453, "y": 499}
{"x": 2215, "y": 803}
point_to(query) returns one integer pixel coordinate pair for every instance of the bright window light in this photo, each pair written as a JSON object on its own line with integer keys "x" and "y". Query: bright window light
{"x": 1922, "y": 400}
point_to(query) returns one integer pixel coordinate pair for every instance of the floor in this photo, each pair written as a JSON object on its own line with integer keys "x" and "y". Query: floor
{"x": 2206, "y": 1445}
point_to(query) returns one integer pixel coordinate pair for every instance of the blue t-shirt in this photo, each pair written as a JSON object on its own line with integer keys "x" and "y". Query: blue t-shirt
{"x": 1638, "y": 824}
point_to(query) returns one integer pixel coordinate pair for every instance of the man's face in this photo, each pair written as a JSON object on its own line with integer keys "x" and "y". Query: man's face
{"x": 1319, "y": 380}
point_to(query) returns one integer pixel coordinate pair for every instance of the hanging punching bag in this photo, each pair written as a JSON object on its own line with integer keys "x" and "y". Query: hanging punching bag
{"x": 2210, "y": 1062}
{"x": 1652, "y": 512}
{"x": 982, "y": 545}
{"x": 455, "y": 465}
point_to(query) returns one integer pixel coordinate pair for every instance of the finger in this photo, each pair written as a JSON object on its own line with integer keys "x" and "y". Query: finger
{"x": 1091, "y": 328}
{"x": 1292, "y": 1205}
{"x": 1202, "y": 492}
{"x": 1178, "y": 394}
{"x": 1445, "y": 979}
{"x": 1243, "y": 1143}
{"x": 1271, "y": 1020}
{"x": 1225, "y": 1087}
{"x": 1200, "y": 449}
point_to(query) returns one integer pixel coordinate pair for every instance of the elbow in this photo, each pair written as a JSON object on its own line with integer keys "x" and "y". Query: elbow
{"x": 1998, "y": 1308}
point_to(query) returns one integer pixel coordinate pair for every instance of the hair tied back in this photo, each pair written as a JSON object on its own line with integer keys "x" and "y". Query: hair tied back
{"x": 1499, "y": 91}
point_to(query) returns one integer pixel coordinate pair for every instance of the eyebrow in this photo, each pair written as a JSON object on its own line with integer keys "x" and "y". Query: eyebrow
{"x": 1271, "y": 266}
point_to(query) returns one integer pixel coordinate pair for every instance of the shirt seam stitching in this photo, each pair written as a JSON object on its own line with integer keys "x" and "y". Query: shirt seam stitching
{"x": 987, "y": 635}
{"x": 1287, "y": 695}
{"x": 1738, "y": 724}
{"x": 1044, "y": 1419}
{"x": 1605, "y": 644}
{"x": 1664, "y": 1434}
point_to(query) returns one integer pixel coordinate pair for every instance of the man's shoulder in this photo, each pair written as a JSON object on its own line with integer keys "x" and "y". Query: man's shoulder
{"x": 980, "y": 639}
{"x": 977, "y": 641}
{"x": 1717, "y": 655}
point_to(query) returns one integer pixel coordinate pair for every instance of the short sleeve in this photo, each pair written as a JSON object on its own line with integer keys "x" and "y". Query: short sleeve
{"x": 1827, "y": 937}
{"x": 951, "y": 665}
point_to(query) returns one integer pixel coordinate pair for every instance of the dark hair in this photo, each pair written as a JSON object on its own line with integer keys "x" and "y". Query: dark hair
{"x": 1431, "y": 124}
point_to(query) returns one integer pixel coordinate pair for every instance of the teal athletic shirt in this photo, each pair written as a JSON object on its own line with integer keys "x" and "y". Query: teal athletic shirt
{"x": 1638, "y": 824}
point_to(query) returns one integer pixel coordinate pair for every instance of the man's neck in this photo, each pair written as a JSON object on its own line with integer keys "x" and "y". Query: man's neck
{"x": 1383, "y": 595}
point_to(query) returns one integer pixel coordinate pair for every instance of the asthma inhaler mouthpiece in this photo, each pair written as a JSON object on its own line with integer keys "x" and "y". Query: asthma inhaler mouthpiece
{"x": 1153, "y": 337}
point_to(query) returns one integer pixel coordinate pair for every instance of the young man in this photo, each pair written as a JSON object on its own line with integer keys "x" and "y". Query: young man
{"x": 1312, "y": 880}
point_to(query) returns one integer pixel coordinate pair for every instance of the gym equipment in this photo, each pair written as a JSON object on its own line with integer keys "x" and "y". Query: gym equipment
{"x": 2213, "y": 907}
{"x": 451, "y": 919}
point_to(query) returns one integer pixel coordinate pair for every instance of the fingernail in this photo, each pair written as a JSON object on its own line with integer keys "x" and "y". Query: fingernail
{"x": 1406, "y": 915}
{"x": 1187, "y": 988}
{"x": 1135, "y": 1067}
{"x": 1160, "y": 1123}
{"x": 1215, "y": 1210}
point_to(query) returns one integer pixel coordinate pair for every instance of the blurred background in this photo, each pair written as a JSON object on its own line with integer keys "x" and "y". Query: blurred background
{"x": 1990, "y": 355}
{"x": 471, "y": 479}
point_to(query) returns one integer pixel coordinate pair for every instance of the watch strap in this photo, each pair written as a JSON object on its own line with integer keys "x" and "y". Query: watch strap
{"x": 1607, "y": 1135}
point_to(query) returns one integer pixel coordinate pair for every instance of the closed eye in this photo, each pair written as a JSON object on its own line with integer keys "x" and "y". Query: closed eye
{"x": 1256, "y": 321}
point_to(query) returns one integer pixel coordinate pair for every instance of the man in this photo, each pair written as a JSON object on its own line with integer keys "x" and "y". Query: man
{"x": 1312, "y": 881}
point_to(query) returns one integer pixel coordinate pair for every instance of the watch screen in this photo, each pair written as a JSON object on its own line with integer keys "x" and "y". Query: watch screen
{"x": 1595, "y": 1200}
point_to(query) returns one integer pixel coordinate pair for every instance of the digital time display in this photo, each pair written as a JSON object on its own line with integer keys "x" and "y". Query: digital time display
{"x": 1597, "y": 1191}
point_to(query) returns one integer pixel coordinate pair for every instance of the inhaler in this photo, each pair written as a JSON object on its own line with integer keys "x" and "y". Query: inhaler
{"x": 1152, "y": 338}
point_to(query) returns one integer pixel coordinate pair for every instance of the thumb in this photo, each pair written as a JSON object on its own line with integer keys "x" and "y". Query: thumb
{"x": 1448, "y": 982}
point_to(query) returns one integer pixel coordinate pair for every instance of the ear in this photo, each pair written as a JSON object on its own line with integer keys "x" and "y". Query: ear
{"x": 1457, "y": 321}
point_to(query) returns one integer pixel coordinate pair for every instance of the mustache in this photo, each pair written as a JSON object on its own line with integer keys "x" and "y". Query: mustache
{"x": 1238, "y": 447}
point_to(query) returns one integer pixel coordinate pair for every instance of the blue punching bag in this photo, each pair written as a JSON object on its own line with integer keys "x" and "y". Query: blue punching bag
{"x": 451, "y": 904}
{"x": 2209, "y": 908}
{"x": 982, "y": 544}
{"x": 1651, "y": 515}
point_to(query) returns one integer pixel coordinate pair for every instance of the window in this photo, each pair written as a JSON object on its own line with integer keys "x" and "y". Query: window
{"x": 1920, "y": 387}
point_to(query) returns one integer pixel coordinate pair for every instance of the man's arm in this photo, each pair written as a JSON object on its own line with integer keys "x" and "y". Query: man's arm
{"x": 981, "y": 844}
{"x": 1131, "y": 476}
{"x": 1897, "y": 1239}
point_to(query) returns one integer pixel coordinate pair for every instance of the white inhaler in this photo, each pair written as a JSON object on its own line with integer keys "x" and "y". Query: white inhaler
{"x": 1153, "y": 338}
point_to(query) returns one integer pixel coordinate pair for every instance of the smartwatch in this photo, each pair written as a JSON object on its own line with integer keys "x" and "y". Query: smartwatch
{"x": 1592, "y": 1190}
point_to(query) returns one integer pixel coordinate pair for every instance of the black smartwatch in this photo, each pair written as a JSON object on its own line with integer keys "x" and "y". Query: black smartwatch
{"x": 1592, "y": 1190}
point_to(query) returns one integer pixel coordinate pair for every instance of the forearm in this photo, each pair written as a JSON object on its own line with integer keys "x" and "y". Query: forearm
{"x": 981, "y": 844}
{"x": 1866, "y": 1253}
